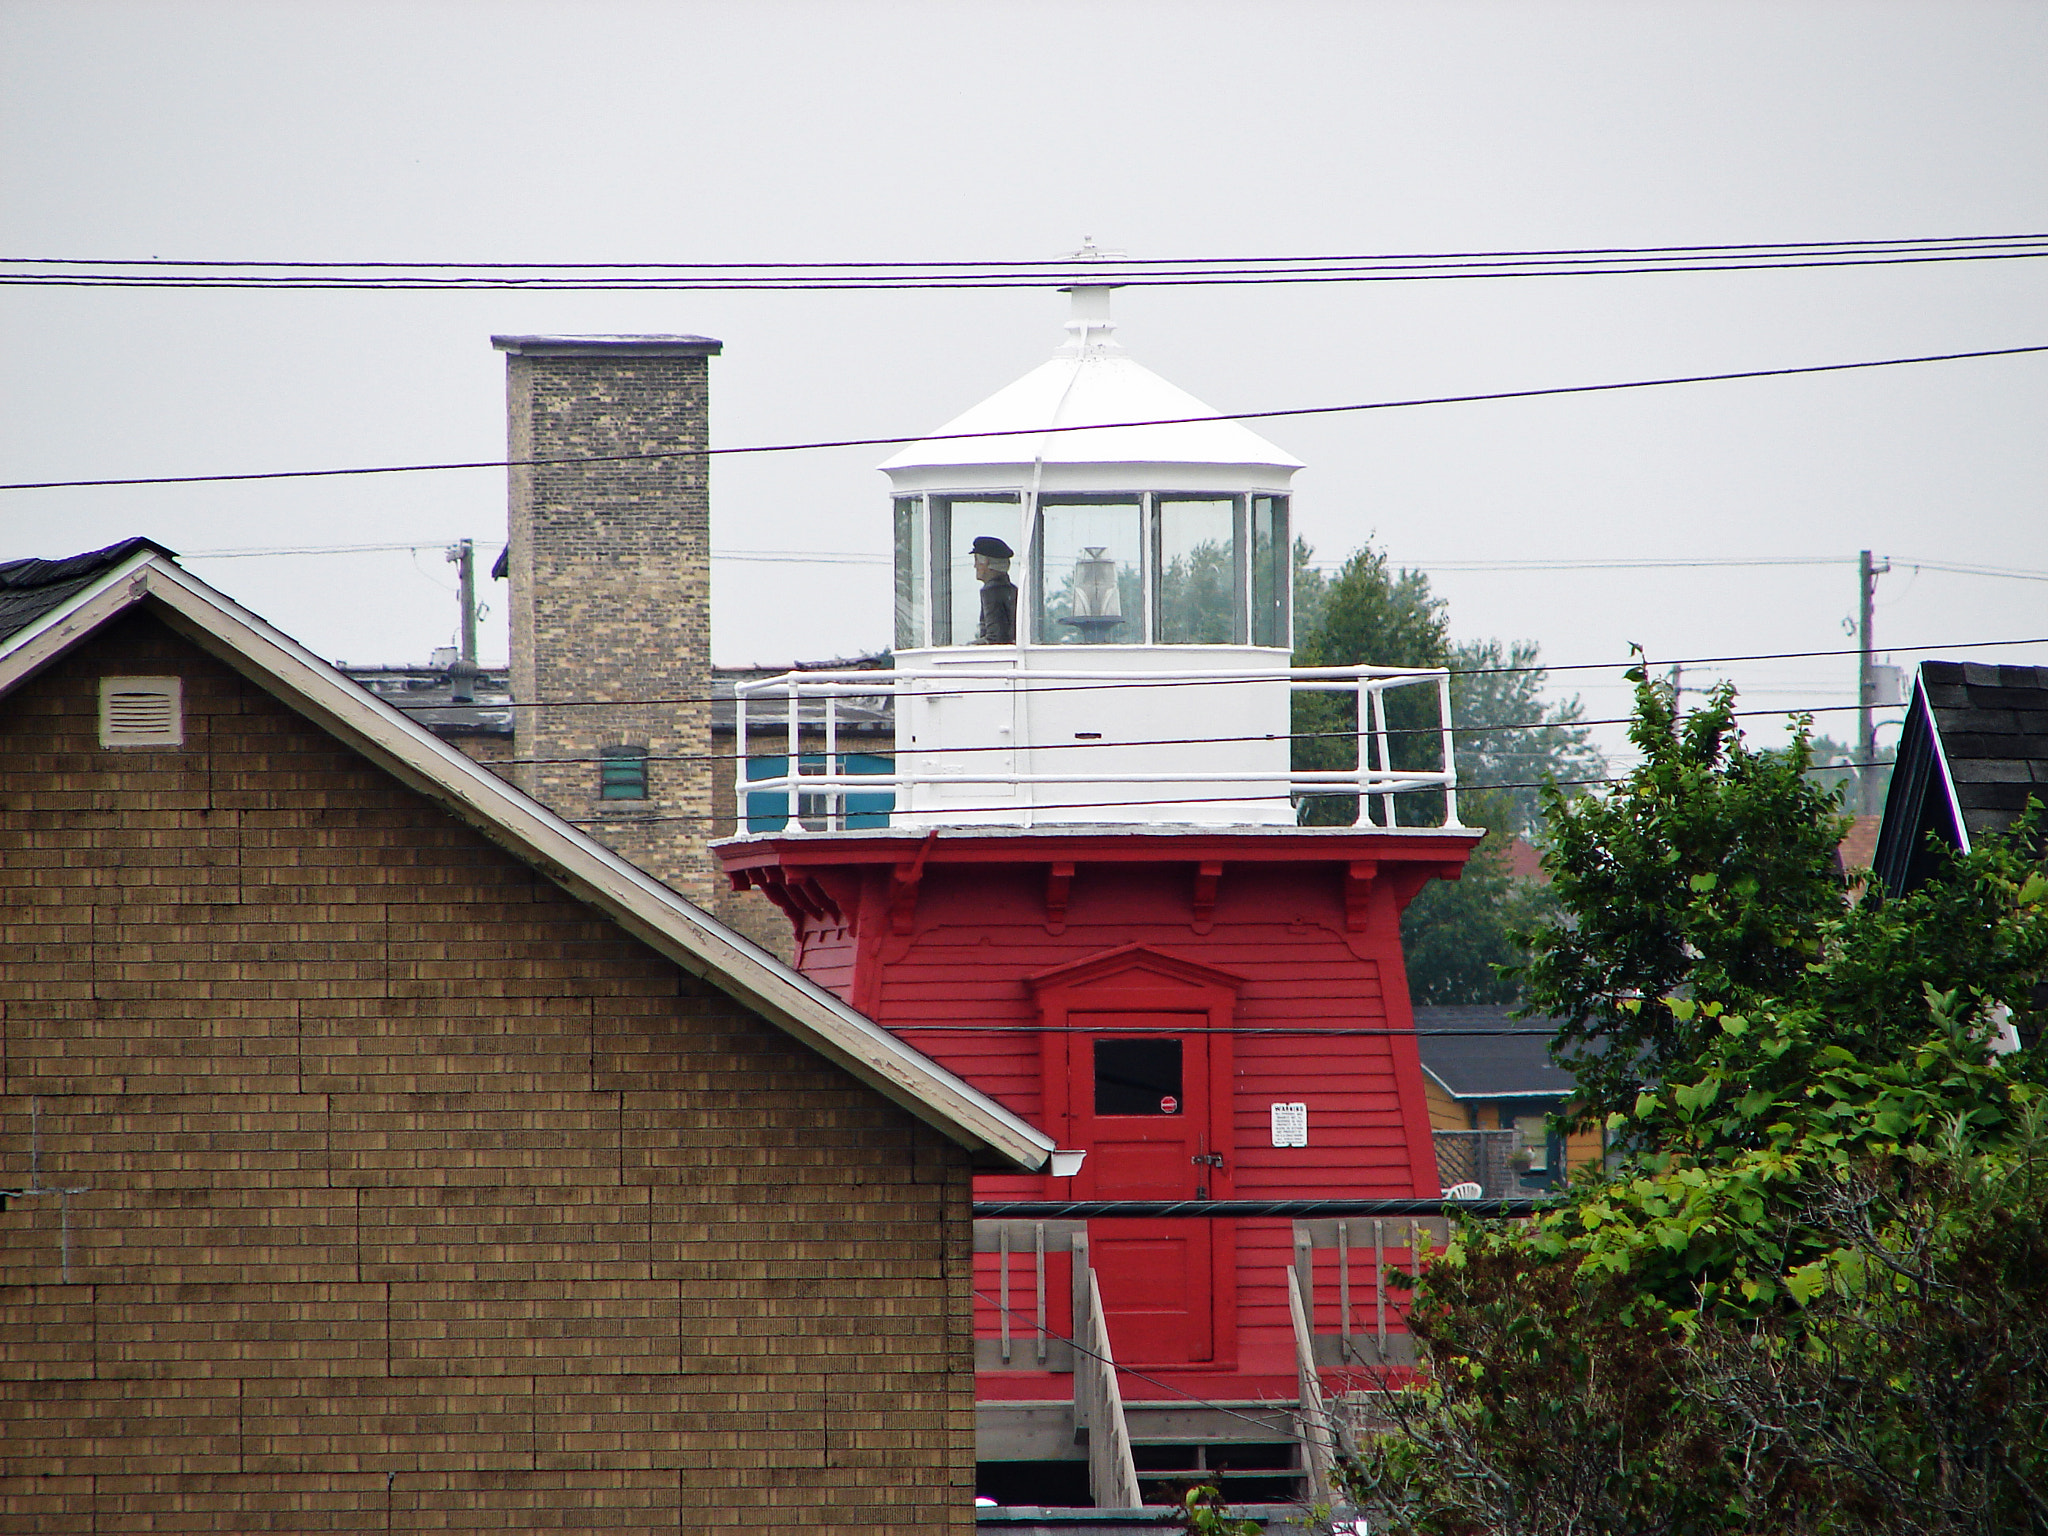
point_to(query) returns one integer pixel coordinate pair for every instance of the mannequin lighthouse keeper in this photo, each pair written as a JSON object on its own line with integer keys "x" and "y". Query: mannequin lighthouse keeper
{"x": 998, "y": 592}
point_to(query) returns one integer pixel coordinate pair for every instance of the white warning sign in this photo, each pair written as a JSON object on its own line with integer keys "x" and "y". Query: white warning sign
{"x": 1290, "y": 1125}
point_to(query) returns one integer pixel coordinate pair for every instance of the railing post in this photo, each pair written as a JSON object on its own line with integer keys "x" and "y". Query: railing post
{"x": 1344, "y": 1281}
{"x": 1084, "y": 1361}
{"x": 1038, "y": 1256}
{"x": 739, "y": 766}
{"x": 1362, "y": 707}
{"x": 1379, "y": 1280}
{"x": 792, "y": 765}
{"x": 1003, "y": 1284}
{"x": 1450, "y": 752}
{"x": 835, "y": 797}
{"x": 1379, "y": 701}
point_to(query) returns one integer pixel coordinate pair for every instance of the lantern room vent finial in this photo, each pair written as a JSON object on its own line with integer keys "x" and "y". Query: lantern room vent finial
{"x": 1089, "y": 327}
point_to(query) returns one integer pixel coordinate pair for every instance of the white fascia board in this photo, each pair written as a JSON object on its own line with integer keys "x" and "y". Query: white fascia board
{"x": 649, "y": 910}
{"x": 1948, "y": 782}
{"x": 34, "y": 646}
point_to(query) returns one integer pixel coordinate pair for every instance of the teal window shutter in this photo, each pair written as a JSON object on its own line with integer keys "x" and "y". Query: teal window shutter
{"x": 767, "y": 812}
{"x": 870, "y": 810}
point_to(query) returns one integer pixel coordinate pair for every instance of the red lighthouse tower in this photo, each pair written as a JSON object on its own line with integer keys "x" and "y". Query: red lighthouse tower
{"x": 1083, "y": 888}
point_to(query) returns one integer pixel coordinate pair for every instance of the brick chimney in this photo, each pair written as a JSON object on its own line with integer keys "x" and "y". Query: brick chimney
{"x": 610, "y": 568}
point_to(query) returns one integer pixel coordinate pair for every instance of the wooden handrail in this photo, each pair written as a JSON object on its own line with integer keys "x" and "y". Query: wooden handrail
{"x": 1098, "y": 1402}
{"x": 1313, "y": 1419}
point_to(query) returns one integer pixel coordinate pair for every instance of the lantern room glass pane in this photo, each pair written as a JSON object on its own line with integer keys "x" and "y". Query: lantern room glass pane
{"x": 957, "y": 521}
{"x": 1091, "y": 582}
{"x": 1200, "y": 590}
{"x": 1272, "y": 573}
{"x": 912, "y": 573}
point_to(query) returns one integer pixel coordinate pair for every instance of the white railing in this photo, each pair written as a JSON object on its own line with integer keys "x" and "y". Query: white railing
{"x": 795, "y": 718}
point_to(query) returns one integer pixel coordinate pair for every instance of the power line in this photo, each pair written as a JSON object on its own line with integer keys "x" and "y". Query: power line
{"x": 1220, "y": 682}
{"x": 864, "y": 557}
{"x": 1331, "y": 792}
{"x": 856, "y": 748}
{"x": 774, "y": 556}
{"x": 1075, "y": 262}
{"x": 259, "y": 551}
{"x": 1036, "y": 432}
{"x": 1901, "y": 562}
{"x": 1301, "y": 1031}
{"x": 868, "y": 276}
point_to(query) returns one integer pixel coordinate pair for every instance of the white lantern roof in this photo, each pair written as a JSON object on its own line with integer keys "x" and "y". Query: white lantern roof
{"x": 1092, "y": 384}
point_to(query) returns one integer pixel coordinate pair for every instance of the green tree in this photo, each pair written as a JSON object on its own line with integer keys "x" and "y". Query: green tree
{"x": 1456, "y": 934}
{"x": 1368, "y": 613}
{"x": 1196, "y": 596}
{"x": 1837, "y": 770}
{"x": 1840, "y": 1329}
{"x": 1311, "y": 586}
{"x": 1463, "y": 939}
{"x": 1509, "y": 735}
{"x": 1710, "y": 869}
{"x": 1813, "y": 1299}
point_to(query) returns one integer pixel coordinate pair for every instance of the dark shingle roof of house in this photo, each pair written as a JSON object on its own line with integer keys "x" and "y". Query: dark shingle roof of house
{"x": 1489, "y": 1066}
{"x": 31, "y": 588}
{"x": 1974, "y": 749}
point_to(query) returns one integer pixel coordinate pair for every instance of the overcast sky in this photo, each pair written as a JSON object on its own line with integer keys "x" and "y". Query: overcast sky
{"x": 771, "y": 131}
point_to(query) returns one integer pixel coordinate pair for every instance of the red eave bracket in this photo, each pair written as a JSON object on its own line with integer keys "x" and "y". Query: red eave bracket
{"x": 1059, "y": 881}
{"x": 1359, "y": 875}
{"x": 1208, "y": 876}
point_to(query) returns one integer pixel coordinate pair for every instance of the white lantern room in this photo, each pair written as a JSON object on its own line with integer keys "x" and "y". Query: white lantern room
{"x": 1094, "y": 582}
{"x": 1130, "y": 662}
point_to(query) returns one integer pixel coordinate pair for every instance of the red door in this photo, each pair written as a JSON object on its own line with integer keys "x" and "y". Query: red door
{"x": 1139, "y": 1097}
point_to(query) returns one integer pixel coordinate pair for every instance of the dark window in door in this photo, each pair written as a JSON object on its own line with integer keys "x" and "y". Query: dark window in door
{"x": 1138, "y": 1077}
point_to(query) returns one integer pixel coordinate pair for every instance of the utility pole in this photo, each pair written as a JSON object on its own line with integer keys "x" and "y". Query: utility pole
{"x": 1866, "y": 682}
{"x": 464, "y": 557}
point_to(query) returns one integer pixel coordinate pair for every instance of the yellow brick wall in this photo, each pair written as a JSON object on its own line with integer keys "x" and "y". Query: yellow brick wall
{"x": 407, "y": 1193}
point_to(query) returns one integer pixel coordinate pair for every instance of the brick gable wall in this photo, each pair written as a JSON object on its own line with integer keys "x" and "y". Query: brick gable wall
{"x": 409, "y": 1194}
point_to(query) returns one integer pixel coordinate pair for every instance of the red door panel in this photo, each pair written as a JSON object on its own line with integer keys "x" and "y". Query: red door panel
{"x": 1141, "y": 1170}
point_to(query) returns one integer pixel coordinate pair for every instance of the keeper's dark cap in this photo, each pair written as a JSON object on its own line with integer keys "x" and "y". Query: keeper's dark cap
{"x": 993, "y": 547}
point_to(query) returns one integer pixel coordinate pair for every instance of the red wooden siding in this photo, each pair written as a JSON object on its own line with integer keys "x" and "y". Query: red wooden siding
{"x": 952, "y": 942}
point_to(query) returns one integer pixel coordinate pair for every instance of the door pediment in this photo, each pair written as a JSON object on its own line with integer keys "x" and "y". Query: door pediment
{"x": 1138, "y": 967}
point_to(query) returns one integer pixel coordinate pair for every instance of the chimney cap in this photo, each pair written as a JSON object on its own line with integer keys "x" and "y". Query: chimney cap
{"x": 609, "y": 346}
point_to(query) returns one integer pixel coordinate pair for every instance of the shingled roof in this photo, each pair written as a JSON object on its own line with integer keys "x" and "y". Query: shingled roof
{"x": 1975, "y": 748}
{"x": 31, "y": 588}
{"x": 1485, "y": 1052}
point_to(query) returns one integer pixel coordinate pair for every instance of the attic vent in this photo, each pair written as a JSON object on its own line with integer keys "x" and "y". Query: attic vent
{"x": 142, "y": 712}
